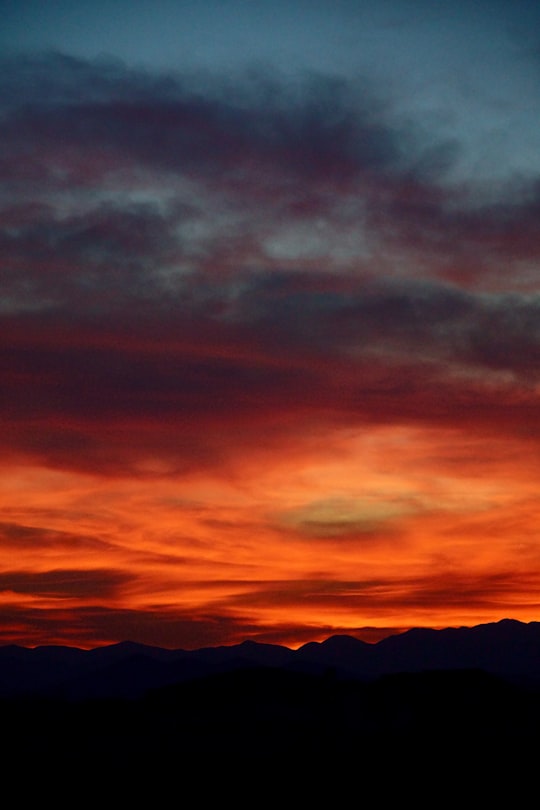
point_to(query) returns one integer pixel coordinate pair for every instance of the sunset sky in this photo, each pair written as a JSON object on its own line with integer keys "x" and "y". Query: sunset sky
{"x": 269, "y": 319}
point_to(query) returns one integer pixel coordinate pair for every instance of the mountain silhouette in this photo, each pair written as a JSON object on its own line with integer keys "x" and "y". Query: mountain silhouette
{"x": 453, "y": 705}
{"x": 508, "y": 649}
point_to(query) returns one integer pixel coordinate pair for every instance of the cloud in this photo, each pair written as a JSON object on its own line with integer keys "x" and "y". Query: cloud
{"x": 389, "y": 596}
{"x": 20, "y": 536}
{"x": 100, "y": 394}
{"x": 234, "y": 618}
{"x": 354, "y": 519}
{"x": 65, "y": 583}
{"x": 123, "y": 183}
{"x": 178, "y": 122}
{"x": 187, "y": 258}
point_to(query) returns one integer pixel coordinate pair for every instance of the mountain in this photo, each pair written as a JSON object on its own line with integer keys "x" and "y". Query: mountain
{"x": 507, "y": 649}
{"x": 439, "y": 708}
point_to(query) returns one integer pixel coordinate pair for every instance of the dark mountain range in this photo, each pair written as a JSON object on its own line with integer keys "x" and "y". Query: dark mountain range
{"x": 507, "y": 649}
{"x": 448, "y": 708}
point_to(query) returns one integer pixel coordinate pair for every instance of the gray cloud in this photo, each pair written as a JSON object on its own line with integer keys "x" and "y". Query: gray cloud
{"x": 172, "y": 276}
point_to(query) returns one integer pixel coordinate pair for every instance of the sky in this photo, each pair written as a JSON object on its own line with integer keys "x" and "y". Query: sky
{"x": 269, "y": 319}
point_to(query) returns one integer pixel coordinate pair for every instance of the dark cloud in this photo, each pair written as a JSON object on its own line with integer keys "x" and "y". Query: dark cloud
{"x": 290, "y": 149}
{"x": 166, "y": 290}
{"x": 384, "y": 596}
{"x": 181, "y": 123}
{"x": 121, "y": 181}
{"x": 20, "y": 536}
{"x": 195, "y": 389}
{"x": 472, "y": 243}
{"x": 65, "y": 584}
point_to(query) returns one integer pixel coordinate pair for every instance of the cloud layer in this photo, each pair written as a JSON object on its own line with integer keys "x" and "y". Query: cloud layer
{"x": 206, "y": 280}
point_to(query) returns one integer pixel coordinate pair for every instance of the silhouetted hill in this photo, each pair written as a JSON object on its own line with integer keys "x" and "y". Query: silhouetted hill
{"x": 344, "y": 654}
{"x": 274, "y": 719}
{"x": 508, "y": 649}
{"x": 418, "y": 703}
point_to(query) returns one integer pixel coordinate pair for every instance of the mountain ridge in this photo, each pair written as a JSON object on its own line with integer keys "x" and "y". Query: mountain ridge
{"x": 329, "y": 707}
{"x": 507, "y": 648}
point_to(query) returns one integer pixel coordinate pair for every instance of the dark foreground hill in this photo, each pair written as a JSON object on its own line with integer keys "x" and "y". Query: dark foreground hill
{"x": 249, "y": 733}
{"x": 466, "y": 701}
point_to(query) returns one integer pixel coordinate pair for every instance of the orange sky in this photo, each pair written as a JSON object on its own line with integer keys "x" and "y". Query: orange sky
{"x": 390, "y": 528}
